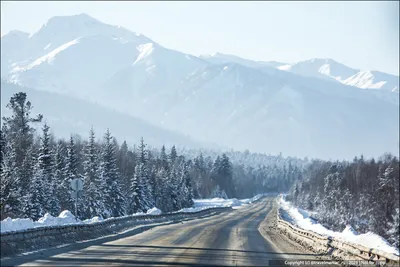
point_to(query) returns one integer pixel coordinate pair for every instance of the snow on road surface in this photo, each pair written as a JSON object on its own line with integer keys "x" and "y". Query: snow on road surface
{"x": 302, "y": 219}
{"x": 66, "y": 217}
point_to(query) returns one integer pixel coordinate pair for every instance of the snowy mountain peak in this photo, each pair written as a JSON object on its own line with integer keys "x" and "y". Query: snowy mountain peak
{"x": 66, "y": 25}
{"x": 79, "y": 19}
{"x": 326, "y": 68}
{"x": 61, "y": 29}
{"x": 321, "y": 60}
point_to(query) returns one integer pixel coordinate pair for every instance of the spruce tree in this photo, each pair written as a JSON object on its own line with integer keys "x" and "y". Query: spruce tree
{"x": 173, "y": 155}
{"x": 174, "y": 189}
{"x": 114, "y": 199}
{"x": 45, "y": 172}
{"x": 163, "y": 158}
{"x": 18, "y": 128}
{"x": 35, "y": 203}
{"x": 71, "y": 172}
{"x": 225, "y": 175}
{"x": 147, "y": 198}
{"x": 394, "y": 229}
{"x": 61, "y": 178}
{"x": 135, "y": 194}
{"x": 93, "y": 185}
{"x": 187, "y": 189}
{"x": 10, "y": 191}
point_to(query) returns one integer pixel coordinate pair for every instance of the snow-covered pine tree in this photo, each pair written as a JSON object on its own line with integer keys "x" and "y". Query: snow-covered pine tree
{"x": 147, "y": 198}
{"x": 162, "y": 191}
{"x": 18, "y": 129}
{"x": 383, "y": 210}
{"x": 394, "y": 229}
{"x": 45, "y": 171}
{"x": 153, "y": 183}
{"x": 134, "y": 194}
{"x": 346, "y": 211}
{"x": 215, "y": 169}
{"x": 331, "y": 194}
{"x": 199, "y": 175}
{"x": 145, "y": 193}
{"x": 387, "y": 186}
{"x": 125, "y": 170}
{"x": 35, "y": 203}
{"x": 173, "y": 182}
{"x": 223, "y": 169}
{"x": 173, "y": 155}
{"x": 71, "y": 172}
{"x": 93, "y": 185}
{"x": 60, "y": 175}
{"x": 10, "y": 194}
{"x": 114, "y": 199}
{"x": 163, "y": 158}
{"x": 28, "y": 170}
{"x": 187, "y": 187}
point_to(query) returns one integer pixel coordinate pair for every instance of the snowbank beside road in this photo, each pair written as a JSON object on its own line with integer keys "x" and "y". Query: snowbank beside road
{"x": 301, "y": 218}
{"x": 201, "y": 204}
{"x": 67, "y": 218}
{"x": 154, "y": 211}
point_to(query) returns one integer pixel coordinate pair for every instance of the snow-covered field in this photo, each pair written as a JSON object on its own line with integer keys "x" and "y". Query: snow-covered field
{"x": 67, "y": 218}
{"x": 302, "y": 219}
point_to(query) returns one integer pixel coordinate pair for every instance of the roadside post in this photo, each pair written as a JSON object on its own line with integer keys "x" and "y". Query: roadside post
{"x": 76, "y": 186}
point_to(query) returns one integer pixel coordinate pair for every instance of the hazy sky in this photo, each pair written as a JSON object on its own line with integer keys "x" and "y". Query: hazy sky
{"x": 362, "y": 35}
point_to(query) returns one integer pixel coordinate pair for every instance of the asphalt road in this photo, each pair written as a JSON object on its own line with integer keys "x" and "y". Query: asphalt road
{"x": 241, "y": 237}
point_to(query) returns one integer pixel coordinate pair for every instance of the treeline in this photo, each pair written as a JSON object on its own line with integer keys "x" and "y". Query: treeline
{"x": 36, "y": 169}
{"x": 253, "y": 173}
{"x": 362, "y": 193}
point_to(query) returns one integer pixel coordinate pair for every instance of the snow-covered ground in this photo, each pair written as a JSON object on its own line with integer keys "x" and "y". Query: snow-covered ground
{"x": 67, "y": 218}
{"x": 201, "y": 204}
{"x": 302, "y": 219}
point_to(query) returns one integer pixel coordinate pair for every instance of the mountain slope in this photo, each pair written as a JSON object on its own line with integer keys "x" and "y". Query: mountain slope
{"x": 67, "y": 115}
{"x": 153, "y": 78}
{"x": 273, "y": 111}
{"x": 290, "y": 114}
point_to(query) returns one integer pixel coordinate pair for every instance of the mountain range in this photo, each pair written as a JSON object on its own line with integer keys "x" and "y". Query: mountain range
{"x": 315, "y": 108}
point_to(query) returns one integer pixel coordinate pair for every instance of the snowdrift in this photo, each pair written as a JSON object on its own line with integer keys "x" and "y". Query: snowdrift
{"x": 301, "y": 218}
{"x": 65, "y": 217}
